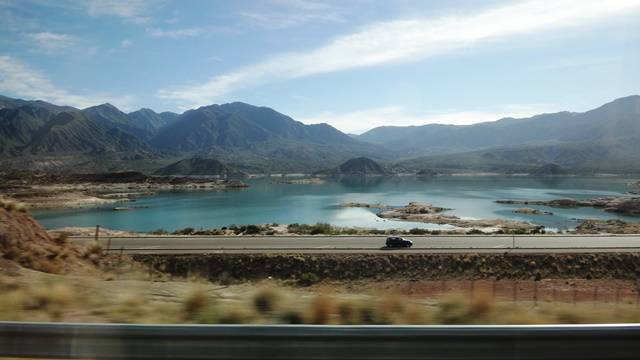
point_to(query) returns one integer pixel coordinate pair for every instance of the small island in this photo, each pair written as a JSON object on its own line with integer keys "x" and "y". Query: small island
{"x": 361, "y": 166}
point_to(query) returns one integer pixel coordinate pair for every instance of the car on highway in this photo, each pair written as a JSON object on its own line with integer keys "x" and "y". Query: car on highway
{"x": 398, "y": 242}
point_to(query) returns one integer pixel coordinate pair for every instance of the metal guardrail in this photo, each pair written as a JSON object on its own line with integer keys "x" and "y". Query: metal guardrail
{"x": 119, "y": 341}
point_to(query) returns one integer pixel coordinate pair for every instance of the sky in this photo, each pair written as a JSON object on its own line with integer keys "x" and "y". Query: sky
{"x": 353, "y": 64}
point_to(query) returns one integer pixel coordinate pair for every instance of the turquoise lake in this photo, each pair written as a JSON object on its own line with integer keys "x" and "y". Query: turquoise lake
{"x": 267, "y": 201}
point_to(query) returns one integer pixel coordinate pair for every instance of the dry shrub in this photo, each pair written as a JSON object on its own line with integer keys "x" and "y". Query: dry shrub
{"x": 349, "y": 312}
{"x": 482, "y": 304}
{"x": 456, "y": 309}
{"x": 291, "y": 316}
{"x": 95, "y": 248}
{"x": 61, "y": 239}
{"x": 320, "y": 310}
{"x": 236, "y": 314}
{"x": 266, "y": 300}
{"x": 50, "y": 299}
{"x": 195, "y": 302}
{"x": 129, "y": 308}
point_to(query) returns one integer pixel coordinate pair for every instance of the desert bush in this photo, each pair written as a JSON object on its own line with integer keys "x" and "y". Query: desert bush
{"x": 11, "y": 205}
{"x": 307, "y": 279}
{"x": 350, "y": 312}
{"x": 320, "y": 311}
{"x": 225, "y": 278}
{"x": 418, "y": 231}
{"x": 315, "y": 229}
{"x": 95, "y": 248}
{"x": 195, "y": 301}
{"x": 184, "y": 231}
{"x": 159, "y": 232}
{"x": 291, "y": 317}
{"x": 61, "y": 238}
{"x": 236, "y": 314}
{"x": 252, "y": 230}
{"x": 321, "y": 228}
{"x": 265, "y": 300}
{"x": 474, "y": 232}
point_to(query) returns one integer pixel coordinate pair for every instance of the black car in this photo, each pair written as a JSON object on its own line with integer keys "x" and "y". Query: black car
{"x": 396, "y": 241}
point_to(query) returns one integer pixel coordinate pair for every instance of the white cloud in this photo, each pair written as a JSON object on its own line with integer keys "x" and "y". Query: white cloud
{"x": 49, "y": 41}
{"x": 126, "y": 43}
{"x": 282, "y": 14}
{"x": 130, "y": 10}
{"x": 407, "y": 41}
{"x": 362, "y": 120}
{"x": 19, "y": 79}
{"x": 176, "y": 33}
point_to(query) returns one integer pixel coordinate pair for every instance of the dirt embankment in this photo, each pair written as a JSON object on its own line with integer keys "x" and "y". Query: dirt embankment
{"x": 46, "y": 190}
{"x": 25, "y": 243}
{"x": 400, "y": 266}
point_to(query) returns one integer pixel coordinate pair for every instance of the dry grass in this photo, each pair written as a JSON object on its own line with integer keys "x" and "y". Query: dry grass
{"x": 51, "y": 299}
{"x": 11, "y": 205}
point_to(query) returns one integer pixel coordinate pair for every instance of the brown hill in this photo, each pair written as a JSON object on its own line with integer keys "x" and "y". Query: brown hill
{"x": 26, "y": 243}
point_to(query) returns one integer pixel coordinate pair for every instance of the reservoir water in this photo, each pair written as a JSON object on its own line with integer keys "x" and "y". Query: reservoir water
{"x": 267, "y": 201}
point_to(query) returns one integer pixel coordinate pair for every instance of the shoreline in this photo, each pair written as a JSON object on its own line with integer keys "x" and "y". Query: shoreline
{"x": 55, "y": 191}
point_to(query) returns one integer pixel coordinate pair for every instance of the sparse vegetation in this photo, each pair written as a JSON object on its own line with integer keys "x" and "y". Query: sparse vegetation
{"x": 51, "y": 300}
{"x": 11, "y": 205}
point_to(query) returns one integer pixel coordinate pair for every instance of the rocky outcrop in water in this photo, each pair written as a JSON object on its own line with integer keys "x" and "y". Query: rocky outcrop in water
{"x": 628, "y": 205}
{"x": 428, "y": 213}
{"x": 532, "y": 211}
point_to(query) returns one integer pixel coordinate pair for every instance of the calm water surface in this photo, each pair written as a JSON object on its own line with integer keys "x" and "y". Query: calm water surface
{"x": 266, "y": 202}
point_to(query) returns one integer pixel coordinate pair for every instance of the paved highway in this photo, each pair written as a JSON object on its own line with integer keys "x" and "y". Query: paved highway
{"x": 366, "y": 244}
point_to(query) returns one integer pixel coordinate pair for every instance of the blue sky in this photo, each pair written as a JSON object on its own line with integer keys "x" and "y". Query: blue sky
{"x": 353, "y": 64}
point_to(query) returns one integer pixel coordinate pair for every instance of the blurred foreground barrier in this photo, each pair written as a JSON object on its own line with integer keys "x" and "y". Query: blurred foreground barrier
{"x": 118, "y": 341}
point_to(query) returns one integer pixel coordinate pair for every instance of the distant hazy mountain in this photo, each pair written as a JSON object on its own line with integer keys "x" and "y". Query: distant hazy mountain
{"x": 254, "y": 137}
{"x": 198, "y": 166}
{"x": 361, "y": 166}
{"x": 620, "y": 118}
{"x": 619, "y": 155}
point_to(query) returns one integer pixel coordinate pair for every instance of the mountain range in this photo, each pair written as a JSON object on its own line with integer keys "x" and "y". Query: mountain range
{"x": 37, "y": 134}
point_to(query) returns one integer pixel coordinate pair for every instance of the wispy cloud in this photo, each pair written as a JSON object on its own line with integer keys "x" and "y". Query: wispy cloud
{"x": 362, "y": 120}
{"x": 19, "y": 79}
{"x": 133, "y": 11}
{"x": 50, "y": 42}
{"x": 177, "y": 33}
{"x": 407, "y": 41}
{"x": 282, "y": 14}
